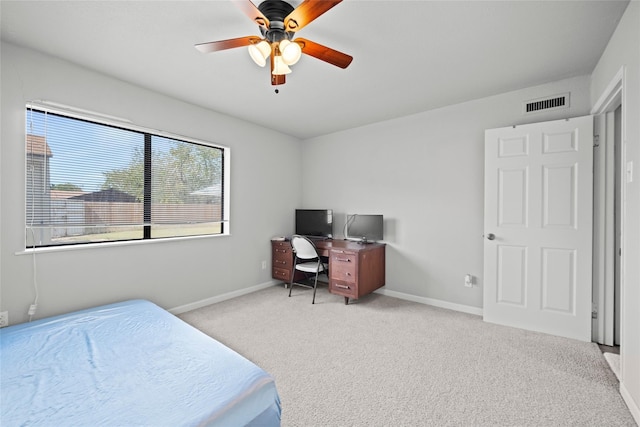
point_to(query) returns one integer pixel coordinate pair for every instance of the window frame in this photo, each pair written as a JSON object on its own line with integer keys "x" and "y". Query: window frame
{"x": 148, "y": 133}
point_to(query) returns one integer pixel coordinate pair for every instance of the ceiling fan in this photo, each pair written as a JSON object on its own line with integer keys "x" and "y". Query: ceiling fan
{"x": 278, "y": 22}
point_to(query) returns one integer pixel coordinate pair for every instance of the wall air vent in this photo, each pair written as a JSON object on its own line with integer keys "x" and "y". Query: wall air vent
{"x": 549, "y": 103}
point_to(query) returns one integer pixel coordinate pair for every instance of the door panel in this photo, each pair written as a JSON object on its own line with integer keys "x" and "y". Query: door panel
{"x": 538, "y": 204}
{"x": 559, "y": 196}
{"x": 512, "y": 197}
{"x": 558, "y": 280}
{"x": 560, "y": 142}
{"x": 512, "y": 283}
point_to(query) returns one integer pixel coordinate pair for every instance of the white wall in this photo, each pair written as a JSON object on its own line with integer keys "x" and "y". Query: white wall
{"x": 425, "y": 174}
{"x": 623, "y": 50}
{"x": 170, "y": 273}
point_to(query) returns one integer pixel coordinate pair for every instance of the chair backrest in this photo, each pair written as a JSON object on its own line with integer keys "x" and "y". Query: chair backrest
{"x": 303, "y": 247}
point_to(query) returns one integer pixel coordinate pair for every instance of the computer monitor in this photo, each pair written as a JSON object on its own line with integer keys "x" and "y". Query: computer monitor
{"x": 314, "y": 222}
{"x": 364, "y": 228}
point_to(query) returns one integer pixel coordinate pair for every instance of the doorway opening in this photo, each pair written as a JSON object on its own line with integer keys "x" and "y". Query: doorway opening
{"x": 608, "y": 214}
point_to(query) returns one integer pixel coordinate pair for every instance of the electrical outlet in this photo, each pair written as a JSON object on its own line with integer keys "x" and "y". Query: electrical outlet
{"x": 468, "y": 281}
{"x": 264, "y": 265}
{"x": 4, "y": 319}
{"x": 32, "y": 309}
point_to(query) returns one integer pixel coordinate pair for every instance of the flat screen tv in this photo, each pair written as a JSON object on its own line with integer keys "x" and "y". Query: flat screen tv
{"x": 314, "y": 222}
{"x": 364, "y": 228}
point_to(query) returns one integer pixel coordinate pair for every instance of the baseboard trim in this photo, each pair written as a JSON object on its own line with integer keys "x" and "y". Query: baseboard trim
{"x": 395, "y": 294}
{"x": 431, "y": 301}
{"x": 631, "y": 404}
{"x": 219, "y": 298}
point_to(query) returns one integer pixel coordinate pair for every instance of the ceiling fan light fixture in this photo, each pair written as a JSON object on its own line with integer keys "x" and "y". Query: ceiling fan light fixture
{"x": 279, "y": 66}
{"x": 259, "y": 52}
{"x": 290, "y": 51}
{"x": 278, "y": 22}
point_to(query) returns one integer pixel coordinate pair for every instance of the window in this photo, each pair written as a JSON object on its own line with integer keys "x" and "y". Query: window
{"x": 89, "y": 181}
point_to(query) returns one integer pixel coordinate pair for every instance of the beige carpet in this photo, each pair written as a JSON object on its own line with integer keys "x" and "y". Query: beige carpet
{"x": 382, "y": 361}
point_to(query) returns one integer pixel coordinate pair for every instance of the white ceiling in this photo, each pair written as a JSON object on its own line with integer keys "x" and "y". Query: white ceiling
{"x": 409, "y": 56}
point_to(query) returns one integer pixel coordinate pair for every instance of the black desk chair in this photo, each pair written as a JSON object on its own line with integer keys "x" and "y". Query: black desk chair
{"x": 306, "y": 260}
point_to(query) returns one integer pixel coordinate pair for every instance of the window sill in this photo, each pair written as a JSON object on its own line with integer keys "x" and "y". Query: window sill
{"x": 84, "y": 246}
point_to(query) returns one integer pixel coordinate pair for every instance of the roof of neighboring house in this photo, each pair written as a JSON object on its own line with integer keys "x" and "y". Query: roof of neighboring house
{"x": 38, "y": 145}
{"x": 109, "y": 195}
{"x": 65, "y": 194}
{"x": 214, "y": 190}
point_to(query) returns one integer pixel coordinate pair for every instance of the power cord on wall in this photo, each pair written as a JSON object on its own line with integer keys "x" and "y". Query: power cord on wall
{"x": 34, "y": 306}
{"x": 349, "y": 220}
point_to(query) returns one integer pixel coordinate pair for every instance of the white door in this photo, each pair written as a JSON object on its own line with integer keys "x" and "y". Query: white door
{"x": 538, "y": 227}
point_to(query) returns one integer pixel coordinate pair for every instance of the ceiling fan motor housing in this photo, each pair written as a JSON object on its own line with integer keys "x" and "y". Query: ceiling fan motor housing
{"x": 275, "y": 11}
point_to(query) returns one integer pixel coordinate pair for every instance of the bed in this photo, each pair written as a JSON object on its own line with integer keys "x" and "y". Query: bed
{"x": 128, "y": 364}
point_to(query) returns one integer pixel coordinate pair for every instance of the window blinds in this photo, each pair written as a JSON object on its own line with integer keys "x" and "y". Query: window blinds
{"x": 88, "y": 181}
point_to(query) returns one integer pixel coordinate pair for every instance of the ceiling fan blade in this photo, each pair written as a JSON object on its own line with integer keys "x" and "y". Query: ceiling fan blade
{"x": 324, "y": 53}
{"x": 227, "y": 44}
{"x": 306, "y": 12}
{"x": 249, "y": 9}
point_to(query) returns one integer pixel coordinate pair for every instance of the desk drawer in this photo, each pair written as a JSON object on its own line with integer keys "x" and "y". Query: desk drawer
{"x": 282, "y": 261}
{"x": 281, "y": 251}
{"x": 343, "y": 266}
{"x": 283, "y": 274}
{"x": 346, "y": 289}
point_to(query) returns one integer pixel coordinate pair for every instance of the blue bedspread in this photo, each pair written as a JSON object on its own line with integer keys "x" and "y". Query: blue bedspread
{"x": 128, "y": 364}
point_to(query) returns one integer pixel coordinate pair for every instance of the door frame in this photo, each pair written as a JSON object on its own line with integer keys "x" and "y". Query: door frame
{"x": 609, "y": 101}
{"x": 604, "y": 228}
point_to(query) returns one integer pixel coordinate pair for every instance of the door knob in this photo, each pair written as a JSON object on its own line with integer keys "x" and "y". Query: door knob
{"x": 491, "y": 236}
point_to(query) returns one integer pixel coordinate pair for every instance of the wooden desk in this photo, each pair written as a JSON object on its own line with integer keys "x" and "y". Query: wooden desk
{"x": 354, "y": 269}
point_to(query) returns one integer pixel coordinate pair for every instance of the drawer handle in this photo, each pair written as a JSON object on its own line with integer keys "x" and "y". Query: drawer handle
{"x": 343, "y": 259}
{"x": 348, "y": 274}
{"x": 280, "y": 262}
{"x": 342, "y": 287}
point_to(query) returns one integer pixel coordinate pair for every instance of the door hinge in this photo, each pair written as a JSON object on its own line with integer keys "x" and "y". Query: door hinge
{"x": 596, "y": 141}
{"x": 594, "y": 310}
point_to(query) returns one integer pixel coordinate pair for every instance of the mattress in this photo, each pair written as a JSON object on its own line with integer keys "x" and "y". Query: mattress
{"x": 128, "y": 364}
